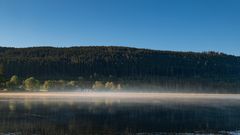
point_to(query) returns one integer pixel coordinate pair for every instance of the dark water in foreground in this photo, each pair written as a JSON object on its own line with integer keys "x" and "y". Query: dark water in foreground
{"x": 107, "y": 116}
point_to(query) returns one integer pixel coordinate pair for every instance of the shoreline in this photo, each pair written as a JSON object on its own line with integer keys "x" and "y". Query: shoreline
{"x": 118, "y": 95}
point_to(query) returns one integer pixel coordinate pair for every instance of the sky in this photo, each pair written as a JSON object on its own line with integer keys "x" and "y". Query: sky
{"x": 178, "y": 25}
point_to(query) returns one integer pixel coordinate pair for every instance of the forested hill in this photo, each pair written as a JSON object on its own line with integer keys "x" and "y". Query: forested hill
{"x": 119, "y": 63}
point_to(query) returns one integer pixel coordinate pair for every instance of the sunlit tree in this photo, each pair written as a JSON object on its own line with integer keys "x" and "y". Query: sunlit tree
{"x": 31, "y": 84}
{"x": 110, "y": 85}
{"x": 13, "y": 83}
{"x": 98, "y": 85}
{"x": 46, "y": 85}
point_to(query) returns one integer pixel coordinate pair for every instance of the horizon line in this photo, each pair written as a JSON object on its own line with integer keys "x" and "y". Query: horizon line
{"x": 72, "y": 46}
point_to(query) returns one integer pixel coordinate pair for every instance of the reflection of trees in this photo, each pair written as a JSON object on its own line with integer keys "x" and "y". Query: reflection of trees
{"x": 101, "y": 118}
{"x": 12, "y": 105}
{"x": 27, "y": 104}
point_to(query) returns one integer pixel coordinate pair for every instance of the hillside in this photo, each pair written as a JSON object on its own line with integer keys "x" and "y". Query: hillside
{"x": 168, "y": 68}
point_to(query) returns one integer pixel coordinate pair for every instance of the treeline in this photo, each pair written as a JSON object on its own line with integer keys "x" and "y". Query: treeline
{"x": 31, "y": 84}
{"x": 131, "y": 67}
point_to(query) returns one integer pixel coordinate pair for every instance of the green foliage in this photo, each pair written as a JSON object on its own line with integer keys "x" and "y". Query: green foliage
{"x": 95, "y": 63}
{"x": 98, "y": 85}
{"x": 54, "y": 85}
{"x": 15, "y": 80}
{"x": 72, "y": 85}
{"x": 110, "y": 85}
{"x": 31, "y": 84}
{"x": 49, "y": 85}
{"x": 128, "y": 66}
{"x": 46, "y": 85}
{"x": 13, "y": 83}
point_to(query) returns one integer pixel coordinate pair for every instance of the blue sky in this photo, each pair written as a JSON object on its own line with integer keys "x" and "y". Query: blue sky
{"x": 183, "y": 25}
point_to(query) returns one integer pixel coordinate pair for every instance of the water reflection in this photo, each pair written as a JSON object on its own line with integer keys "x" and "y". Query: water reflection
{"x": 108, "y": 116}
{"x": 12, "y": 105}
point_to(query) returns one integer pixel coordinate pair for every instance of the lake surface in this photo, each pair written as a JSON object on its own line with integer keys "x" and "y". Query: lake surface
{"x": 78, "y": 113}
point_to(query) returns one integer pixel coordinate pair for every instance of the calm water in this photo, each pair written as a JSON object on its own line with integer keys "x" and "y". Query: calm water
{"x": 106, "y": 115}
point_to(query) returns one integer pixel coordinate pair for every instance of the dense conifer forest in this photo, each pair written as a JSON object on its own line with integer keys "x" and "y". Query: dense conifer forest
{"x": 133, "y": 68}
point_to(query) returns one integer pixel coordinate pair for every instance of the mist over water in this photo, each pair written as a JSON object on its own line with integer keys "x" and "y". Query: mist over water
{"x": 118, "y": 113}
{"x": 122, "y": 96}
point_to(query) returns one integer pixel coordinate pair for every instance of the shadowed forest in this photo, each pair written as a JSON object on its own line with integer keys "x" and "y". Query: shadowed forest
{"x": 117, "y": 68}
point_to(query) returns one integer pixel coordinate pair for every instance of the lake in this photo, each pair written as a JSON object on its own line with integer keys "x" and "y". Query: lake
{"x": 105, "y": 113}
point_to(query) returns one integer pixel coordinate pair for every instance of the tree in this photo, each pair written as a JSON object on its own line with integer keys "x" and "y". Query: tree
{"x": 98, "y": 85}
{"x": 58, "y": 85}
{"x": 110, "y": 86}
{"x": 31, "y": 84}
{"x": 13, "y": 83}
{"x": 2, "y": 79}
{"x": 14, "y": 80}
{"x": 46, "y": 85}
{"x": 71, "y": 85}
{"x": 132, "y": 66}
